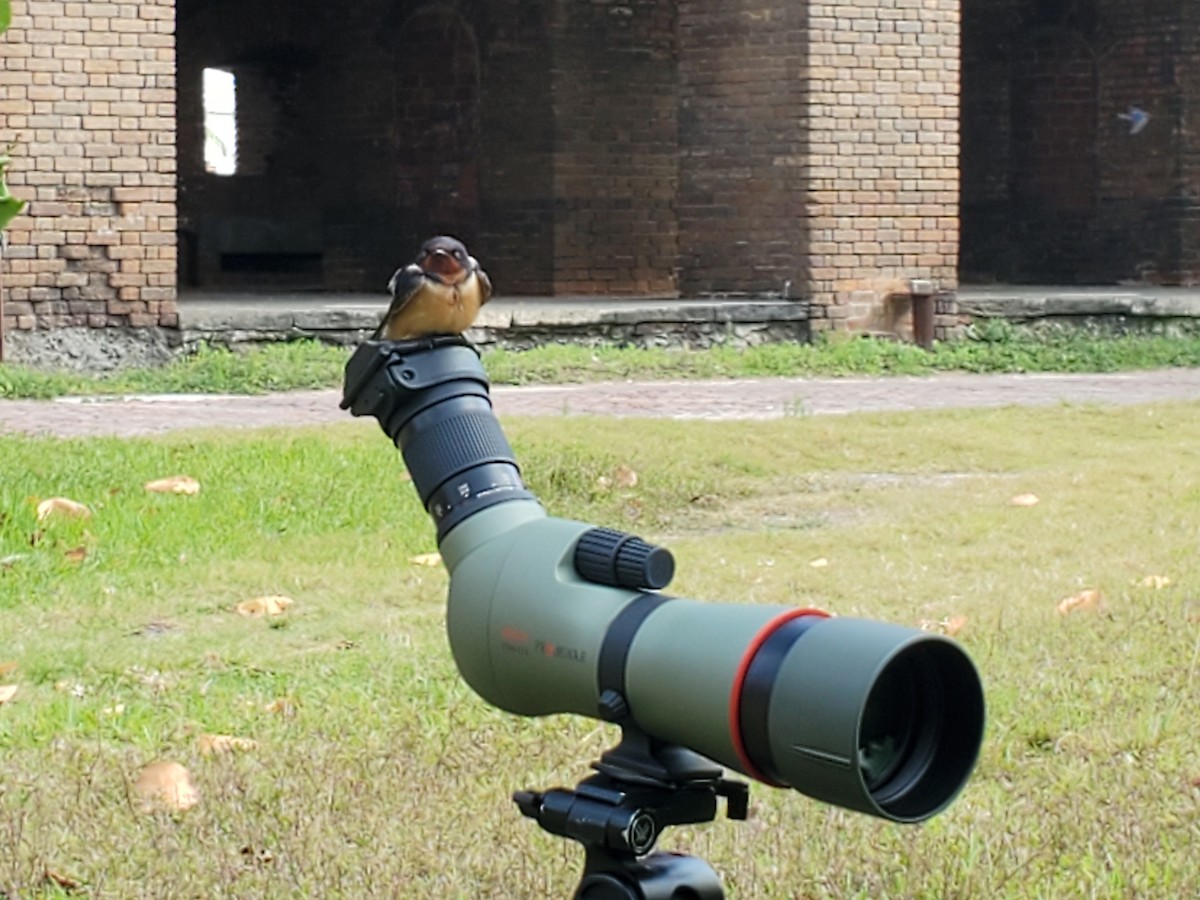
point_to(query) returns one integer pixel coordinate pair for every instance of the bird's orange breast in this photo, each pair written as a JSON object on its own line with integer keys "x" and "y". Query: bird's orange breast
{"x": 437, "y": 309}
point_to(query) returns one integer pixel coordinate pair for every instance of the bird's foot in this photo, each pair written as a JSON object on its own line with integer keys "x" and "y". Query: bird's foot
{"x": 428, "y": 342}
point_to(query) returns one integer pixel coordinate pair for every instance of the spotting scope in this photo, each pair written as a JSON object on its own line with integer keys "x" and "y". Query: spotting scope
{"x": 547, "y": 615}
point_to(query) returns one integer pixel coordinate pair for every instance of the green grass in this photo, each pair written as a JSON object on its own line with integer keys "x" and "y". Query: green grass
{"x": 288, "y": 366}
{"x": 390, "y": 778}
{"x": 309, "y": 364}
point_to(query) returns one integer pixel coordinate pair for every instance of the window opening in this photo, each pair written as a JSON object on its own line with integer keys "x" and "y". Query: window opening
{"x": 220, "y": 122}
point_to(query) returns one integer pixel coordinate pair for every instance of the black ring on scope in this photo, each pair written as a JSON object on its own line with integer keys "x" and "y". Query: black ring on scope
{"x": 614, "y": 649}
{"x": 448, "y": 439}
{"x": 756, "y": 692}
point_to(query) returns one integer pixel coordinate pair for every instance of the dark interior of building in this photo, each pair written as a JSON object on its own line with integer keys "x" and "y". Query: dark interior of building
{"x": 1076, "y": 163}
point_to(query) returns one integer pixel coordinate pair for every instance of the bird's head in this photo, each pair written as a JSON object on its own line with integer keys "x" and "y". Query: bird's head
{"x": 445, "y": 258}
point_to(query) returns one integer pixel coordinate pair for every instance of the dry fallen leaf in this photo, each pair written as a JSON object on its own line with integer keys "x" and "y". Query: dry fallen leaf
{"x": 1024, "y": 500}
{"x": 603, "y": 483}
{"x": 949, "y": 626}
{"x": 1157, "y": 582}
{"x": 625, "y": 477}
{"x": 1084, "y": 601}
{"x": 61, "y": 506}
{"x": 225, "y": 743}
{"x": 427, "y": 559}
{"x": 176, "y": 484}
{"x": 76, "y": 554}
{"x": 283, "y": 706}
{"x": 7, "y": 668}
{"x": 953, "y": 625}
{"x": 267, "y": 605}
{"x": 7, "y": 692}
{"x": 66, "y": 882}
{"x": 165, "y": 786}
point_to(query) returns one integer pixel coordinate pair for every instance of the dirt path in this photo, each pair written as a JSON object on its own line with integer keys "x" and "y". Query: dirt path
{"x": 713, "y": 400}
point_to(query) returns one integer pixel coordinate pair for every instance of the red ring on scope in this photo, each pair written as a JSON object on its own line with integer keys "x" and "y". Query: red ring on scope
{"x": 739, "y": 680}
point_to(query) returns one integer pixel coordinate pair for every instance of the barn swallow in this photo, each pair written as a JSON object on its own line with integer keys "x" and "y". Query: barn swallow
{"x": 1137, "y": 118}
{"x": 440, "y": 292}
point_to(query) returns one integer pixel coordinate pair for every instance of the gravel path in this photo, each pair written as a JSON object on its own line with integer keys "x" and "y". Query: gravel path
{"x": 765, "y": 398}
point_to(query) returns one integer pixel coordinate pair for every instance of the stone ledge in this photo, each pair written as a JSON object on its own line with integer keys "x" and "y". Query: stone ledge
{"x": 1033, "y": 303}
{"x": 505, "y": 322}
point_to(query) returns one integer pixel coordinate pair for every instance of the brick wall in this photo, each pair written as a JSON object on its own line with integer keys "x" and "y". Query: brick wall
{"x": 742, "y": 147}
{"x": 87, "y": 92}
{"x": 613, "y": 146}
{"x": 883, "y": 165}
{"x": 616, "y": 146}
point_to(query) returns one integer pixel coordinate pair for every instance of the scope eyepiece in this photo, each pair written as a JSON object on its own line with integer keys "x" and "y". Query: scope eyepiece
{"x": 436, "y": 409}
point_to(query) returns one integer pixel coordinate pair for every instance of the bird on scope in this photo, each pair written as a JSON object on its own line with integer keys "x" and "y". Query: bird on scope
{"x": 440, "y": 292}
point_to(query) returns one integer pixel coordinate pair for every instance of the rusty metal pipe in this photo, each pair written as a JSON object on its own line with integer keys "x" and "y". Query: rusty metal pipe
{"x": 923, "y": 320}
{"x": 3, "y": 246}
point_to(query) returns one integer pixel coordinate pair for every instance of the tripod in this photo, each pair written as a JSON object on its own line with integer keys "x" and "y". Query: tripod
{"x": 640, "y": 787}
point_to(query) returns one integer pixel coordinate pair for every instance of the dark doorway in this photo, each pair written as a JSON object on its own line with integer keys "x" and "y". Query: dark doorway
{"x": 1070, "y": 143}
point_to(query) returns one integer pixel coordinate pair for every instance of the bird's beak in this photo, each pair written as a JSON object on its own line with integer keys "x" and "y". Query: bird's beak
{"x": 442, "y": 264}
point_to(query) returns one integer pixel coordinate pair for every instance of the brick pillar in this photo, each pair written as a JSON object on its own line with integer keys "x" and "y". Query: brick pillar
{"x": 883, "y": 160}
{"x": 614, "y": 160}
{"x": 89, "y": 98}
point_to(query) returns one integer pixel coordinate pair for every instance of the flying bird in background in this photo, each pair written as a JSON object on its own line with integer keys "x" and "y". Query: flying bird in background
{"x": 440, "y": 292}
{"x": 1137, "y": 118}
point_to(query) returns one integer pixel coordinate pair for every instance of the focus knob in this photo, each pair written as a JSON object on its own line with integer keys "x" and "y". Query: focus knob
{"x": 606, "y": 556}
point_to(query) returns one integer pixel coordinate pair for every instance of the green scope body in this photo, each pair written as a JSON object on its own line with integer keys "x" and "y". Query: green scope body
{"x": 866, "y": 715}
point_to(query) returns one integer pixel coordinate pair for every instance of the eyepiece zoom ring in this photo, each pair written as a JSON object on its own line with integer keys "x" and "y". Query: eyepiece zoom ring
{"x": 438, "y": 447}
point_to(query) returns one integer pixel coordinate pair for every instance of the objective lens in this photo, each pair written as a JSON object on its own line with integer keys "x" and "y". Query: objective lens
{"x": 900, "y": 728}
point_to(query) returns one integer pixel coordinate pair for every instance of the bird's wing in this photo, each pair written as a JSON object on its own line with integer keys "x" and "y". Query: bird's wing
{"x": 403, "y": 285}
{"x": 485, "y": 283}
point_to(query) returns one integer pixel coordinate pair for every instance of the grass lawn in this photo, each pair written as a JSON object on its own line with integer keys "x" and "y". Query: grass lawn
{"x": 376, "y": 772}
{"x": 307, "y": 364}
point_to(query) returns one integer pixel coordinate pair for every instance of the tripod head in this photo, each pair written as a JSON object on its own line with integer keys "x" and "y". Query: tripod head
{"x": 640, "y": 788}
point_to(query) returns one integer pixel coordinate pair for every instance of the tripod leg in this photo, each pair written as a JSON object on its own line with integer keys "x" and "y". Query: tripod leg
{"x": 660, "y": 876}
